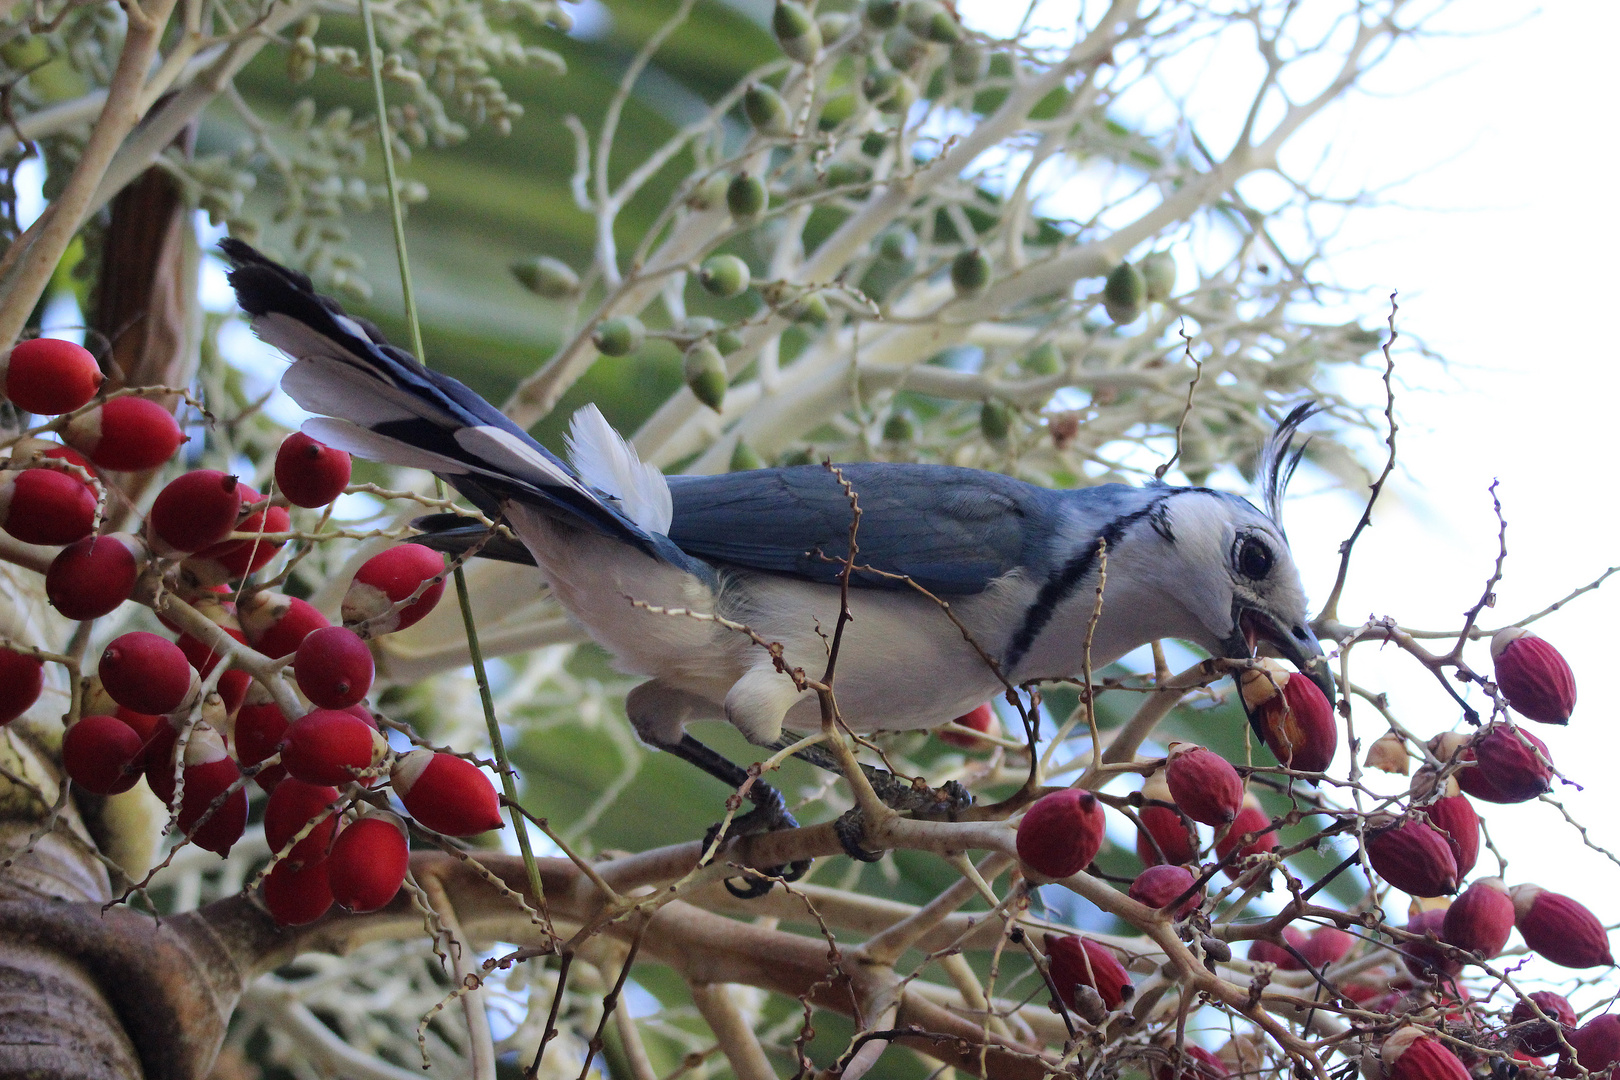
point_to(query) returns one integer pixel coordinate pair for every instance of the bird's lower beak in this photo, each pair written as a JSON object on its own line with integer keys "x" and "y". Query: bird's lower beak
{"x": 1296, "y": 644}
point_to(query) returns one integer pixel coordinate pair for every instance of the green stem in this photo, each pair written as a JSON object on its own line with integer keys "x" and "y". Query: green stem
{"x": 503, "y": 764}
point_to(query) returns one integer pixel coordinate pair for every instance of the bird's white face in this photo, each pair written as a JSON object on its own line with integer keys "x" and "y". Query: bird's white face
{"x": 1244, "y": 588}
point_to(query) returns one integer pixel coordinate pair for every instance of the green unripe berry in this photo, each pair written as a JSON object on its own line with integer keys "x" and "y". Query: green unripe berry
{"x": 898, "y": 428}
{"x": 766, "y": 109}
{"x": 928, "y": 19}
{"x": 874, "y": 143}
{"x": 724, "y": 276}
{"x": 796, "y": 32}
{"x": 836, "y": 111}
{"x": 845, "y": 173}
{"x": 970, "y": 272}
{"x": 1044, "y": 359}
{"x": 727, "y": 341}
{"x": 710, "y": 193}
{"x": 889, "y": 90}
{"x": 1159, "y": 276}
{"x": 833, "y": 24}
{"x": 743, "y": 458}
{"x": 545, "y": 276}
{"x": 904, "y": 49}
{"x": 882, "y": 14}
{"x": 811, "y": 309}
{"x": 705, "y": 372}
{"x": 995, "y": 420}
{"x": 620, "y": 336}
{"x": 801, "y": 456}
{"x": 1125, "y": 287}
{"x": 696, "y": 326}
{"x": 898, "y": 245}
{"x": 746, "y": 197}
{"x": 969, "y": 62}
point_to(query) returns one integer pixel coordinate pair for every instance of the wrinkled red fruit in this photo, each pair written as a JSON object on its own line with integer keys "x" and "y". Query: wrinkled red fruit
{"x": 392, "y": 577}
{"x": 446, "y": 794}
{"x": 297, "y": 894}
{"x": 1533, "y": 676}
{"x": 1158, "y": 886}
{"x": 1480, "y": 920}
{"x": 146, "y": 673}
{"x": 368, "y": 863}
{"x": 1076, "y": 961}
{"x": 193, "y": 511}
{"x": 1203, "y": 784}
{"x": 49, "y": 377}
{"x": 44, "y": 506}
{"x": 131, "y": 434}
{"x": 1541, "y": 1037}
{"x": 1269, "y": 952}
{"x": 1454, "y": 818}
{"x": 309, "y": 473}
{"x": 1428, "y": 958}
{"x": 22, "y": 677}
{"x": 1511, "y": 766}
{"x": 1292, "y": 715}
{"x": 1560, "y": 929}
{"x": 333, "y": 667}
{"x": 1164, "y": 837}
{"x": 101, "y": 754}
{"x": 1194, "y": 1063}
{"x": 1251, "y": 819}
{"x": 275, "y": 624}
{"x": 1413, "y": 857}
{"x": 1597, "y": 1047}
{"x": 293, "y": 805}
{"x": 91, "y": 577}
{"x": 1061, "y": 833}
{"x": 1326, "y": 945}
{"x": 1409, "y": 1054}
{"x": 327, "y": 746}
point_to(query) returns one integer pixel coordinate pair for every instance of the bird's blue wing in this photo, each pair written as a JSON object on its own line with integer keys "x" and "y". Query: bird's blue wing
{"x": 951, "y": 530}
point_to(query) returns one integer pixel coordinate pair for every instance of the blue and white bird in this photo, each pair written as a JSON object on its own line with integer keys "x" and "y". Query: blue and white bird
{"x": 1018, "y": 563}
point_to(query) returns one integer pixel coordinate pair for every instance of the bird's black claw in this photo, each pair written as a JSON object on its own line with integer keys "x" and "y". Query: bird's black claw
{"x": 752, "y": 888}
{"x": 851, "y": 830}
{"x": 770, "y": 814}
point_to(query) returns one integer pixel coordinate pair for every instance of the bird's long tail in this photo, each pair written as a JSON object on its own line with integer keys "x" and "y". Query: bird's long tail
{"x": 378, "y": 402}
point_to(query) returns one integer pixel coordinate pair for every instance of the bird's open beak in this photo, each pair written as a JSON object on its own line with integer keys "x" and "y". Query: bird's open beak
{"x": 1296, "y": 644}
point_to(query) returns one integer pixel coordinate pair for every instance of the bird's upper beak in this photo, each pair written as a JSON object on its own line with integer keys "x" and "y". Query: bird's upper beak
{"x": 1296, "y": 644}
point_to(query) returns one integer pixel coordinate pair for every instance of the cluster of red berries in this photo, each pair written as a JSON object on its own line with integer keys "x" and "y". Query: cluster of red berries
{"x": 160, "y": 708}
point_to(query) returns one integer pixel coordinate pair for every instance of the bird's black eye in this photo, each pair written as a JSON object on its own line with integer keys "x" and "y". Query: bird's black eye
{"x": 1253, "y": 558}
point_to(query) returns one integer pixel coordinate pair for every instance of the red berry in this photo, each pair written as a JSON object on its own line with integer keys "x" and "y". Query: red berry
{"x": 260, "y": 727}
{"x": 49, "y": 376}
{"x": 146, "y": 673}
{"x": 296, "y": 894}
{"x": 1157, "y": 886}
{"x": 233, "y": 684}
{"x": 1165, "y": 836}
{"x": 331, "y": 747}
{"x": 193, "y": 511}
{"x": 44, "y": 506}
{"x": 1533, "y": 676}
{"x": 333, "y": 667}
{"x": 146, "y": 726}
{"x": 230, "y": 560}
{"x": 293, "y": 805}
{"x": 209, "y": 775}
{"x": 368, "y": 863}
{"x": 1410, "y": 1054}
{"x": 385, "y": 580}
{"x": 1536, "y": 1035}
{"x": 1203, "y": 784}
{"x": 1453, "y": 817}
{"x": 101, "y": 754}
{"x": 1413, "y": 857}
{"x": 980, "y": 719}
{"x": 1250, "y": 819}
{"x": 128, "y": 433}
{"x": 91, "y": 577}
{"x": 22, "y": 677}
{"x": 1196, "y": 1063}
{"x": 309, "y": 473}
{"x": 275, "y": 624}
{"x": 445, "y": 793}
{"x": 1061, "y": 833}
{"x": 160, "y": 750}
{"x": 1269, "y": 952}
{"x": 1076, "y": 961}
{"x": 1480, "y": 920}
{"x": 1326, "y": 945}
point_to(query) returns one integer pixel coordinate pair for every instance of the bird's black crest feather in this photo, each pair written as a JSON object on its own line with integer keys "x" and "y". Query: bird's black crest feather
{"x": 1276, "y": 465}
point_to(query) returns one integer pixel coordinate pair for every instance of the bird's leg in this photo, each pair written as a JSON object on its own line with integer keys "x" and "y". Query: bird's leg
{"x": 913, "y": 797}
{"x": 770, "y": 811}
